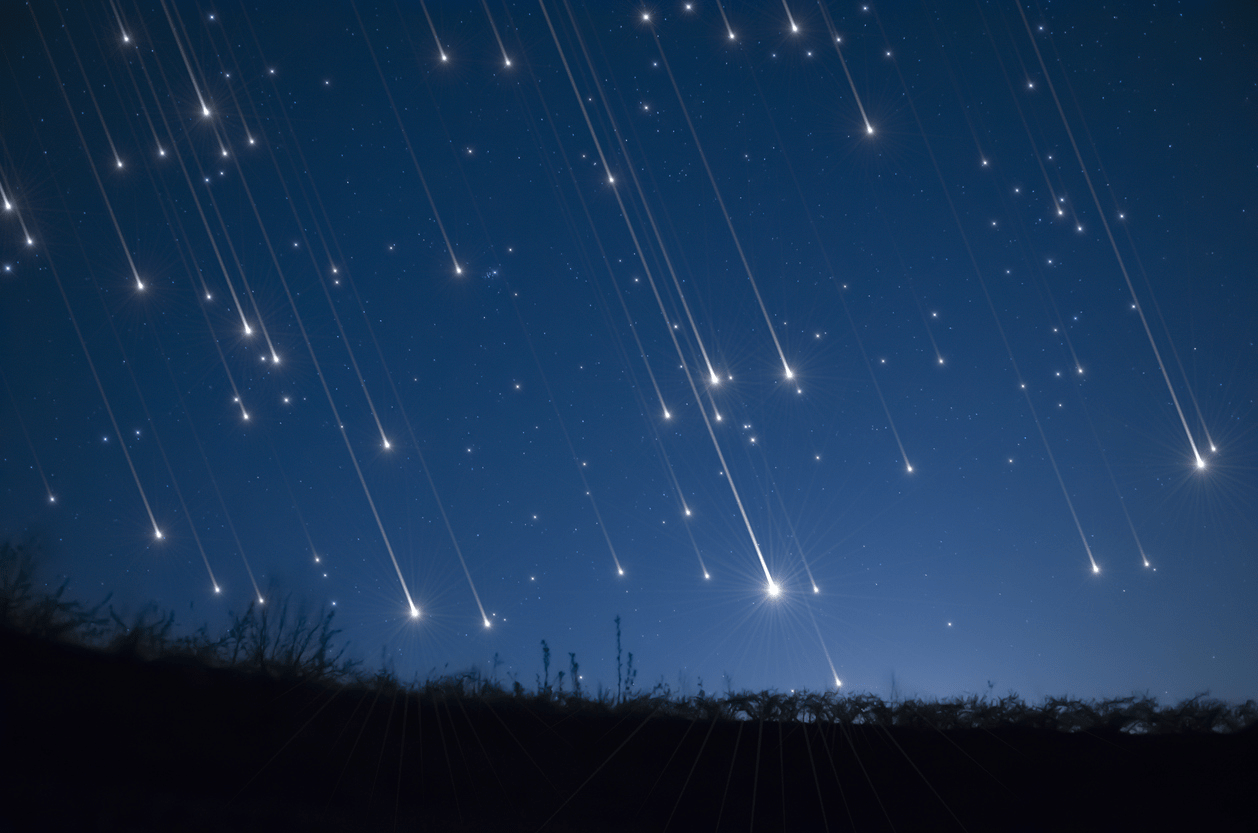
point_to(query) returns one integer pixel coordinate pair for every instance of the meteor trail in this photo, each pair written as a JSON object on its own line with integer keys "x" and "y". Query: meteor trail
{"x": 724, "y": 211}
{"x": 834, "y": 39}
{"x": 1201, "y": 463}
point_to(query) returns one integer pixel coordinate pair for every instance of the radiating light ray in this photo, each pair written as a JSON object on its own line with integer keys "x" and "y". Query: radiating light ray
{"x": 834, "y": 40}
{"x": 506, "y": 59}
{"x": 724, "y": 211}
{"x": 139, "y": 284}
{"x": 205, "y": 110}
{"x": 1122, "y": 266}
{"x": 458, "y": 270}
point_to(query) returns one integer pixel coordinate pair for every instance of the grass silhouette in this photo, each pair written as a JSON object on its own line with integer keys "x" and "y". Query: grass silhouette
{"x": 269, "y": 725}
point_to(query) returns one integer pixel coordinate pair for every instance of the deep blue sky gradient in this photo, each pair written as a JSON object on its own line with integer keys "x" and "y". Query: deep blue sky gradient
{"x": 522, "y": 375}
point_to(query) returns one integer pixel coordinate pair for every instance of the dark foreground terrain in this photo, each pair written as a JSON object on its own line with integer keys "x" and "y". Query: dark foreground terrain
{"x": 99, "y": 741}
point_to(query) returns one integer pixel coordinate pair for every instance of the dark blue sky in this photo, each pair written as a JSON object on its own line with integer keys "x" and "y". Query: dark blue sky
{"x": 913, "y": 278}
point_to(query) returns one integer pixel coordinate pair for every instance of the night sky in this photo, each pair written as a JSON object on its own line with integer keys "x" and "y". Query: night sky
{"x": 910, "y": 266}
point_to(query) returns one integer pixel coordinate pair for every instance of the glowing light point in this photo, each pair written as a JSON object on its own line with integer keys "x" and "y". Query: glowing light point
{"x": 789, "y": 373}
{"x": 486, "y": 622}
{"x": 245, "y": 415}
{"x": 275, "y": 358}
{"x": 869, "y": 129}
{"x": 667, "y": 415}
{"x": 205, "y": 111}
{"x": 707, "y": 575}
{"x": 774, "y": 589}
{"x": 910, "y": 468}
{"x": 716, "y": 380}
{"x": 30, "y": 242}
{"x": 414, "y": 612}
{"x": 52, "y": 498}
{"x": 731, "y": 34}
{"x": 1095, "y": 569}
{"x": 157, "y": 533}
{"x": 387, "y": 444}
{"x": 838, "y": 683}
{"x": 218, "y": 589}
{"x": 816, "y": 589}
{"x": 620, "y": 571}
{"x": 248, "y": 330}
{"x": 1201, "y": 463}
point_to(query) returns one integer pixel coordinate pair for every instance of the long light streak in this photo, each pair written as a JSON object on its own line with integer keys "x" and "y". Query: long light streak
{"x": 397, "y": 114}
{"x": 139, "y": 284}
{"x": 672, "y": 335}
{"x": 978, "y": 273}
{"x": 506, "y": 59}
{"x": 440, "y": 49}
{"x": 27, "y": 435}
{"x": 323, "y": 381}
{"x": 196, "y": 200}
{"x": 432, "y": 485}
{"x": 157, "y": 532}
{"x": 205, "y": 110}
{"x": 1200, "y": 461}
{"x": 724, "y": 211}
{"x": 834, "y": 39}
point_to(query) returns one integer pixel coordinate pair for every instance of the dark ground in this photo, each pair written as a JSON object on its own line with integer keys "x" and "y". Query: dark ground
{"x": 98, "y": 742}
